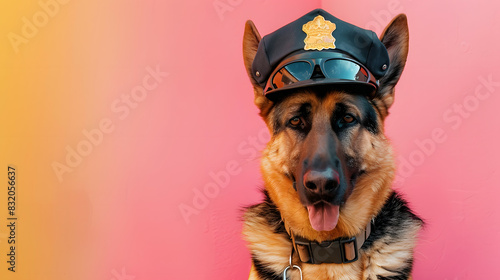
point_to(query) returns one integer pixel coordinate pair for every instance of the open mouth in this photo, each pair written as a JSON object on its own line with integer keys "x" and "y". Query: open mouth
{"x": 323, "y": 216}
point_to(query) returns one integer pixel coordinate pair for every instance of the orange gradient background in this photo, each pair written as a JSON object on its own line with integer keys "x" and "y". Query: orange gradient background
{"x": 115, "y": 213}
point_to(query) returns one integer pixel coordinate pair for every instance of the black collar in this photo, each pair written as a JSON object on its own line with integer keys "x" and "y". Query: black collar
{"x": 340, "y": 250}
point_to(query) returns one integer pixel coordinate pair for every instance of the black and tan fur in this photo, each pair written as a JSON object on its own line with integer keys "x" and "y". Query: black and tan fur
{"x": 368, "y": 169}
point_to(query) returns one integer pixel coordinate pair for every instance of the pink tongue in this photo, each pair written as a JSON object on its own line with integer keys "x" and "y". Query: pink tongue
{"x": 323, "y": 216}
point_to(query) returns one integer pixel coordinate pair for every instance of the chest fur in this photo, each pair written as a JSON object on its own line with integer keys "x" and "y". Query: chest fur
{"x": 387, "y": 254}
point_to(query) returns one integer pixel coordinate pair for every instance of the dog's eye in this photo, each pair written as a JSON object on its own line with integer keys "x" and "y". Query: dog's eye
{"x": 295, "y": 121}
{"x": 346, "y": 121}
{"x": 348, "y": 118}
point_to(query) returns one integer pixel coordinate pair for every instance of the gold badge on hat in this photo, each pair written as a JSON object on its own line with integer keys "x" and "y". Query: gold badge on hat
{"x": 319, "y": 34}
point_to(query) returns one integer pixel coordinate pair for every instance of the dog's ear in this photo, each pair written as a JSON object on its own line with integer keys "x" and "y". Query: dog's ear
{"x": 251, "y": 40}
{"x": 395, "y": 38}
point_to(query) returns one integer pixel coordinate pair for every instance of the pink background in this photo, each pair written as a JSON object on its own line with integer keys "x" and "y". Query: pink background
{"x": 118, "y": 211}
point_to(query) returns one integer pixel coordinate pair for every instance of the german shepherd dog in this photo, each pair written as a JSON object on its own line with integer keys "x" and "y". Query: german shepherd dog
{"x": 328, "y": 153}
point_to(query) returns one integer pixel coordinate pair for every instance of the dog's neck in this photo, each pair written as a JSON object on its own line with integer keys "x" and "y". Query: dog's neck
{"x": 340, "y": 250}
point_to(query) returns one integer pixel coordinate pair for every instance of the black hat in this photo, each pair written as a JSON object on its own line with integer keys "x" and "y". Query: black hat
{"x": 320, "y": 35}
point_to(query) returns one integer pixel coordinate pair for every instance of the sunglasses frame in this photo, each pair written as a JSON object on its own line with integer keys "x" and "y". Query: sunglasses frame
{"x": 318, "y": 58}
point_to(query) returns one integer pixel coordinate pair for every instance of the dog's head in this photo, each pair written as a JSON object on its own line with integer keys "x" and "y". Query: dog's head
{"x": 328, "y": 166}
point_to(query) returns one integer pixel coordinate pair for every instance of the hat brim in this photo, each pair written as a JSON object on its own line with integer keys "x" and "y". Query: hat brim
{"x": 354, "y": 87}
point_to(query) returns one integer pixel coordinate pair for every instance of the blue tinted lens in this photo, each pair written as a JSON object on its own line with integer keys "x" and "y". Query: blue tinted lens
{"x": 292, "y": 73}
{"x": 344, "y": 70}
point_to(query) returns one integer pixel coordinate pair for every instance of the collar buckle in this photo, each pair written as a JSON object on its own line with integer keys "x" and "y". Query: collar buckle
{"x": 340, "y": 251}
{"x": 349, "y": 250}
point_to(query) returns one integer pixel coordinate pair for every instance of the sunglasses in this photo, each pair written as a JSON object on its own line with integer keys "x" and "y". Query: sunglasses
{"x": 313, "y": 68}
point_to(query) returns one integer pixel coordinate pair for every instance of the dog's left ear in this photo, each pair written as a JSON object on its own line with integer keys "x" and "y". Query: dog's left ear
{"x": 395, "y": 38}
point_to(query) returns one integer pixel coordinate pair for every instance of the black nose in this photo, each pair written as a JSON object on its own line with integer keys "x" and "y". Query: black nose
{"x": 320, "y": 182}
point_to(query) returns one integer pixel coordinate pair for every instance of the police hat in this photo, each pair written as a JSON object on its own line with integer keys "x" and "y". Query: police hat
{"x": 319, "y": 49}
